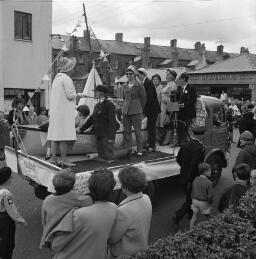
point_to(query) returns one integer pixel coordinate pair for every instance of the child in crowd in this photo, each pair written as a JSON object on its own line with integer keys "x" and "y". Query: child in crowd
{"x": 82, "y": 116}
{"x": 232, "y": 194}
{"x": 8, "y": 215}
{"x": 42, "y": 116}
{"x": 58, "y": 208}
{"x": 202, "y": 193}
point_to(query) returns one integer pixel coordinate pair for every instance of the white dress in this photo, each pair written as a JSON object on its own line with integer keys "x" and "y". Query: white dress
{"x": 62, "y": 109}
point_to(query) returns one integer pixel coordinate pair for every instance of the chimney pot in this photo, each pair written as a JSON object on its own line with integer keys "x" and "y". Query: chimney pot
{"x": 197, "y": 45}
{"x": 147, "y": 41}
{"x": 244, "y": 50}
{"x": 220, "y": 49}
{"x": 119, "y": 37}
{"x": 174, "y": 43}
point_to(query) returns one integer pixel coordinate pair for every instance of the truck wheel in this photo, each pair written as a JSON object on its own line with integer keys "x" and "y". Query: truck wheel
{"x": 215, "y": 161}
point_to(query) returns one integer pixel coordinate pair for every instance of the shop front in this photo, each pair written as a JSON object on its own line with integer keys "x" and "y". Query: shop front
{"x": 236, "y": 77}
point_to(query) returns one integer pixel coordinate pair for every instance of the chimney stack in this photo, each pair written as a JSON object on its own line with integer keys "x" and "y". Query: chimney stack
{"x": 244, "y": 50}
{"x": 197, "y": 45}
{"x": 220, "y": 49}
{"x": 174, "y": 43}
{"x": 147, "y": 41}
{"x": 119, "y": 37}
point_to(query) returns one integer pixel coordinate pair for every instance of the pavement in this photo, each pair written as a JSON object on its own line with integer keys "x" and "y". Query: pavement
{"x": 167, "y": 200}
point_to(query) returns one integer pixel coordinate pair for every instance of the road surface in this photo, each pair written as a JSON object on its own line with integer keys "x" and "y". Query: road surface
{"x": 167, "y": 200}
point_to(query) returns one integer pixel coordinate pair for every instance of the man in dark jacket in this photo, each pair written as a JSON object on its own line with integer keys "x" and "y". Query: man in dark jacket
{"x": 104, "y": 124}
{"x": 190, "y": 155}
{"x": 247, "y": 122}
{"x": 187, "y": 101}
{"x": 232, "y": 194}
{"x": 151, "y": 108}
{"x": 247, "y": 154}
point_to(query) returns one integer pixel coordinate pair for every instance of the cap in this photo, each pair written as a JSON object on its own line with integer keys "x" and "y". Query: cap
{"x": 5, "y": 174}
{"x": 142, "y": 71}
{"x": 184, "y": 76}
{"x": 101, "y": 88}
{"x": 246, "y": 136}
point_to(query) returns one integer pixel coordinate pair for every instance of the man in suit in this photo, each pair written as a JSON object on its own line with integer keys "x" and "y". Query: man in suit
{"x": 104, "y": 124}
{"x": 190, "y": 155}
{"x": 151, "y": 108}
{"x": 187, "y": 101}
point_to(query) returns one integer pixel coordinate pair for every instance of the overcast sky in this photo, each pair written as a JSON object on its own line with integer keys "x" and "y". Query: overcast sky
{"x": 231, "y": 23}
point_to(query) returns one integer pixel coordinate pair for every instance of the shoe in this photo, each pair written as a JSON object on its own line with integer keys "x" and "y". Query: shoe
{"x": 165, "y": 144}
{"x": 150, "y": 149}
{"x": 146, "y": 147}
{"x": 47, "y": 157}
{"x": 138, "y": 154}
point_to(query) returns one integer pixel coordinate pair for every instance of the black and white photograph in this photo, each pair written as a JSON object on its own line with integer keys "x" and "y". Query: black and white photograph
{"x": 127, "y": 129}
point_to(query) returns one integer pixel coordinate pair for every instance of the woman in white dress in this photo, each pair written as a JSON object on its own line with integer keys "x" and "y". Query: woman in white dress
{"x": 62, "y": 110}
{"x": 165, "y": 98}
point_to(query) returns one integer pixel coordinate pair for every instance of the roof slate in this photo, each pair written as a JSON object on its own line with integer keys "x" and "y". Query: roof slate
{"x": 241, "y": 63}
{"x": 134, "y": 49}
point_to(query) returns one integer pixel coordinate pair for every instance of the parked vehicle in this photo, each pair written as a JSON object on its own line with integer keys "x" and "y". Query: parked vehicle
{"x": 156, "y": 165}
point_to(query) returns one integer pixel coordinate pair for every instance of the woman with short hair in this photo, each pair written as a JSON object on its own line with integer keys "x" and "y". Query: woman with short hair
{"x": 91, "y": 225}
{"x": 130, "y": 232}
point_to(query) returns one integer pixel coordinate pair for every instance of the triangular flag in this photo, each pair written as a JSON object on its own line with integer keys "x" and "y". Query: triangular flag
{"x": 64, "y": 48}
{"x": 25, "y": 109}
{"x": 78, "y": 24}
{"x": 46, "y": 78}
{"x": 105, "y": 59}
{"x": 102, "y": 54}
{"x": 74, "y": 30}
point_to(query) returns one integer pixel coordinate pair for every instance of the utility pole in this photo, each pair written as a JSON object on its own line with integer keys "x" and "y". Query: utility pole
{"x": 89, "y": 40}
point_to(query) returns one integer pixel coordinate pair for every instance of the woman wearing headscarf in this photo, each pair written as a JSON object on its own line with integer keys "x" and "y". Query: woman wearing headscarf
{"x": 62, "y": 110}
{"x": 134, "y": 102}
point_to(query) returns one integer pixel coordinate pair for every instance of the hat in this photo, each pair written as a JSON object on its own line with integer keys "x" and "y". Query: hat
{"x": 66, "y": 64}
{"x": 142, "y": 71}
{"x": 84, "y": 109}
{"x": 246, "y": 136}
{"x": 131, "y": 68}
{"x": 5, "y": 174}
{"x": 172, "y": 72}
{"x": 184, "y": 76}
{"x": 101, "y": 88}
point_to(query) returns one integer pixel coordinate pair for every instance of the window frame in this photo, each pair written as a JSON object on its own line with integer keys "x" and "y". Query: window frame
{"x": 17, "y": 33}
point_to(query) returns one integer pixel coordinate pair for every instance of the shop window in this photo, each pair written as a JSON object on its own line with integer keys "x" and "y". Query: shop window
{"x": 22, "y": 26}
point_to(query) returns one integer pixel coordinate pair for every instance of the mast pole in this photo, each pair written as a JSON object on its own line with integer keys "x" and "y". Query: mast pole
{"x": 89, "y": 40}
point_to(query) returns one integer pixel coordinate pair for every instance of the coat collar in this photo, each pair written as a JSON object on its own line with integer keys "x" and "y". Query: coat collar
{"x": 131, "y": 198}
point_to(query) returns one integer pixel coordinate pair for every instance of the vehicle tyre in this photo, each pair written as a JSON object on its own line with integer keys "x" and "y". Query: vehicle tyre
{"x": 216, "y": 163}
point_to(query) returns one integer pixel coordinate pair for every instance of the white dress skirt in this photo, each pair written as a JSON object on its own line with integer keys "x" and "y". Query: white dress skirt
{"x": 62, "y": 109}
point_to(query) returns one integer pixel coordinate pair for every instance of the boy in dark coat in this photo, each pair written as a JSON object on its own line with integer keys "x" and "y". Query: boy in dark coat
{"x": 247, "y": 122}
{"x": 104, "y": 124}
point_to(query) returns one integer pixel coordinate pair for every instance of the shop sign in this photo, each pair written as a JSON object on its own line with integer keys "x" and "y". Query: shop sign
{"x": 7, "y": 106}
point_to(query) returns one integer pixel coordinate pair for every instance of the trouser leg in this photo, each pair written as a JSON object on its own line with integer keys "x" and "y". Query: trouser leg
{"x": 108, "y": 148}
{"x": 7, "y": 235}
{"x": 186, "y": 206}
{"x": 136, "y": 123}
{"x": 182, "y": 130}
{"x": 127, "y": 124}
{"x": 151, "y": 125}
{"x": 100, "y": 146}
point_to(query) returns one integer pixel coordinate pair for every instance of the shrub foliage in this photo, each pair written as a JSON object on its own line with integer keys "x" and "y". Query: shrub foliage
{"x": 228, "y": 235}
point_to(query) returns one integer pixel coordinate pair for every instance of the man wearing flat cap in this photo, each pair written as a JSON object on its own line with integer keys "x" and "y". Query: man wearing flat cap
{"x": 151, "y": 108}
{"x": 104, "y": 124}
{"x": 187, "y": 101}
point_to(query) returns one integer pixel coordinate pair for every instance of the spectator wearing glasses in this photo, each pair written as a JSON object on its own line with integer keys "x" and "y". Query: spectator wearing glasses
{"x": 151, "y": 109}
{"x": 134, "y": 102}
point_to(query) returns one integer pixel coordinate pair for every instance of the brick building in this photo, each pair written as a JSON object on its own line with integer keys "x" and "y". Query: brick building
{"x": 122, "y": 53}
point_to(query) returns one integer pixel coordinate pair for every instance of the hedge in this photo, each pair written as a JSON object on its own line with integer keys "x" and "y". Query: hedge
{"x": 228, "y": 235}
